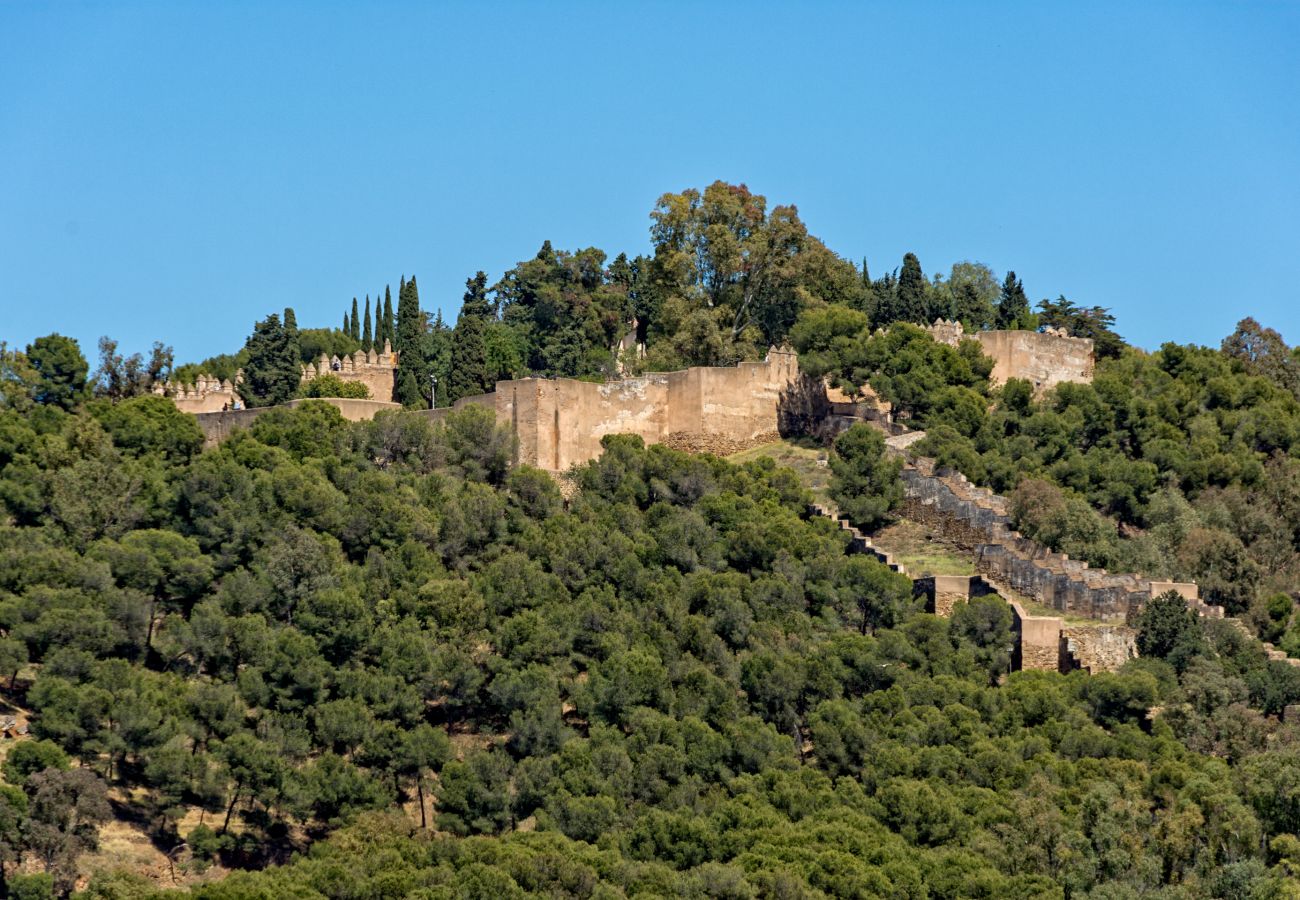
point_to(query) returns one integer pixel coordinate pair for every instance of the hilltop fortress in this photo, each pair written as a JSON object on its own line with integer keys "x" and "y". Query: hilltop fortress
{"x": 559, "y": 422}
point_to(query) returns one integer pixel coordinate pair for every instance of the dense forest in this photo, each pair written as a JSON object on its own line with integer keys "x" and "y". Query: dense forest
{"x": 370, "y": 660}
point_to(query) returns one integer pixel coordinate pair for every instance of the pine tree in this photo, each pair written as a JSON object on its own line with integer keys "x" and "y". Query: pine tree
{"x": 367, "y": 334}
{"x": 354, "y": 326}
{"x": 272, "y": 371}
{"x": 1013, "y": 305}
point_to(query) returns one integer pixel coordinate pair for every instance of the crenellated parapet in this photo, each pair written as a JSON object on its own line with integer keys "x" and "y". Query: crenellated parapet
{"x": 376, "y": 370}
{"x": 206, "y": 393}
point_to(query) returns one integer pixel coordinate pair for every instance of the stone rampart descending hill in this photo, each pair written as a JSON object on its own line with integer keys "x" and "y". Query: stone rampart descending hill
{"x": 977, "y": 518}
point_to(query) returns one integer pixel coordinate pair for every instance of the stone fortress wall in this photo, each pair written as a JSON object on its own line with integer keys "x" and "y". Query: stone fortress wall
{"x": 376, "y": 370}
{"x": 217, "y": 426}
{"x": 1044, "y": 643}
{"x": 207, "y": 394}
{"x": 559, "y": 422}
{"x": 1043, "y": 358}
{"x": 979, "y": 519}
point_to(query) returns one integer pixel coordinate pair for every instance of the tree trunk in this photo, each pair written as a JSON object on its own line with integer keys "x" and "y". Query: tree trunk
{"x": 231, "y": 808}
{"x": 148, "y": 638}
{"x": 419, "y": 789}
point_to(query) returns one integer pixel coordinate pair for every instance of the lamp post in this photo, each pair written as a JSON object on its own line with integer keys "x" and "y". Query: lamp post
{"x": 433, "y": 391}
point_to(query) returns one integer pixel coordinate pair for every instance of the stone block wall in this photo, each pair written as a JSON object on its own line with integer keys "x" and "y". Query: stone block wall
{"x": 1043, "y": 358}
{"x": 980, "y": 520}
{"x": 1097, "y": 648}
{"x": 944, "y": 592}
{"x": 377, "y": 370}
{"x": 217, "y": 426}
{"x": 206, "y": 394}
{"x": 560, "y": 422}
{"x": 1038, "y": 641}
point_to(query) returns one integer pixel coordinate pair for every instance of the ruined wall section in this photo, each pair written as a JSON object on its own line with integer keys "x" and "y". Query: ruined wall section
{"x": 1038, "y": 641}
{"x": 1043, "y": 358}
{"x": 1097, "y": 648}
{"x": 980, "y": 520}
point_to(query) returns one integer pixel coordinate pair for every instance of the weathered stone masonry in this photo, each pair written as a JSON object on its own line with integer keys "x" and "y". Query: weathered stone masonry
{"x": 559, "y": 422}
{"x": 977, "y": 518}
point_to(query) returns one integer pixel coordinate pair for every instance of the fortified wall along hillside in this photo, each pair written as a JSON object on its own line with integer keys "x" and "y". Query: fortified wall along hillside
{"x": 559, "y": 422}
{"x": 1043, "y": 358}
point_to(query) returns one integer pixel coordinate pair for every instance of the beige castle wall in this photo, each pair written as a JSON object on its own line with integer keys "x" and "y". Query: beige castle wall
{"x": 1044, "y": 360}
{"x": 377, "y": 370}
{"x": 560, "y": 422}
{"x": 205, "y": 394}
{"x": 219, "y": 425}
{"x": 1097, "y": 648}
{"x": 209, "y": 401}
{"x": 1039, "y": 640}
{"x": 949, "y": 590}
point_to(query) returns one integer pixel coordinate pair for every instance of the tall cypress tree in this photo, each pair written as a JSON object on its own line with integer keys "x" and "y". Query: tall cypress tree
{"x": 291, "y": 330}
{"x": 389, "y": 332}
{"x": 913, "y": 305}
{"x": 354, "y": 326}
{"x": 468, "y": 374}
{"x": 346, "y": 327}
{"x": 409, "y": 324}
{"x": 413, "y": 374}
{"x": 438, "y": 356}
{"x": 367, "y": 334}
{"x": 1013, "y": 305}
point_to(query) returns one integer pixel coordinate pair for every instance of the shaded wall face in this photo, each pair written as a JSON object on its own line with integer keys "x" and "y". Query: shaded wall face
{"x": 1038, "y": 644}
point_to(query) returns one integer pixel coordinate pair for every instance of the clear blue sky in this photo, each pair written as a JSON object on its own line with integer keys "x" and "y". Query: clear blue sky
{"x": 177, "y": 170}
